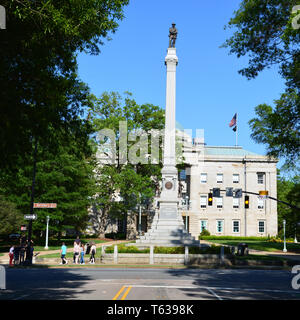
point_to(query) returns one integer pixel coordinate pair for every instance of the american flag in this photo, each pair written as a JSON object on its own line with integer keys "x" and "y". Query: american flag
{"x": 233, "y": 121}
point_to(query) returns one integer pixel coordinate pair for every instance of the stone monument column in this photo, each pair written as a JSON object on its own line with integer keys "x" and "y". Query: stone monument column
{"x": 169, "y": 195}
{"x": 167, "y": 227}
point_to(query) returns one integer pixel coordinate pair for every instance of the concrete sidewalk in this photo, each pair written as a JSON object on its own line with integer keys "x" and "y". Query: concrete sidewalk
{"x": 5, "y": 259}
{"x": 98, "y": 245}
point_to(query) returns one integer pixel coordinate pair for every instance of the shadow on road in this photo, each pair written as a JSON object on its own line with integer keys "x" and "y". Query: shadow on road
{"x": 239, "y": 284}
{"x": 43, "y": 284}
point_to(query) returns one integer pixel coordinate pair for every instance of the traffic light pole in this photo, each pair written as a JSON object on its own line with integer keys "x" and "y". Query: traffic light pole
{"x": 28, "y": 249}
{"x": 272, "y": 198}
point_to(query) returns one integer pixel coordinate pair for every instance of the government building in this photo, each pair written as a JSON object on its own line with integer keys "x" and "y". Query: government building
{"x": 206, "y": 168}
{"x": 223, "y": 167}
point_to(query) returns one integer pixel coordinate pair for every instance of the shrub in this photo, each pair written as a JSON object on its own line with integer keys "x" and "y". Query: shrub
{"x": 204, "y": 233}
{"x": 116, "y": 235}
{"x": 126, "y": 249}
{"x": 232, "y": 238}
{"x": 169, "y": 250}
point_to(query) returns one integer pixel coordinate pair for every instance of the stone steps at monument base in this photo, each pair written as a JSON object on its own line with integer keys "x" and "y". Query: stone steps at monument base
{"x": 166, "y": 237}
{"x": 162, "y": 242}
{"x": 173, "y": 223}
{"x": 170, "y": 231}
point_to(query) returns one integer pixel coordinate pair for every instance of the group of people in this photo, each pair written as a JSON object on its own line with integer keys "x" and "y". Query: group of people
{"x": 18, "y": 253}
{"x": 79, "y": 251}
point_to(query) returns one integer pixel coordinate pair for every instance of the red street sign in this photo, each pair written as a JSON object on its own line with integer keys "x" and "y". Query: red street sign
{"x": 44, "y": 205}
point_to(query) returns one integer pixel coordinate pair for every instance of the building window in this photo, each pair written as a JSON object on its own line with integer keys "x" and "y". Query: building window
{"x": 219, "y": 202}
{"x": 203, "y": 225}
{"x": 203, "y": 178}
{"x": 219, "y": 226}
{"x": 235, "y": 203}
{"x": 260, "y": 177}
{"x": 219, "y": 177}
{"x": 261, "y": 226}
{"x": 203, "y": 201}
{"x": 260, "y": 203}
{"x": 235, "y": 178}
{"x": 236, "y": 226}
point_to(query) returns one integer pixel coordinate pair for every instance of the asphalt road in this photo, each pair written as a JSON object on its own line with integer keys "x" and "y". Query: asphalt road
{"x": 147, "y": 284}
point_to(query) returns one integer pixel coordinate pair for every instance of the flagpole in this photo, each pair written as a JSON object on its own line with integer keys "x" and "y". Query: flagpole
{"x": 236, "y": 132}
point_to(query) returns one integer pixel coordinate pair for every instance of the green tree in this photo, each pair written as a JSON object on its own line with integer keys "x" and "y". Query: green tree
{"x": 10, "y": 218}
{"x": 288, "y": 190}
{"x": 131, "y": 181}
{"x": 265, "y": 33}
{"x": 64, "y": 177}
{"x": 40, "y": 89}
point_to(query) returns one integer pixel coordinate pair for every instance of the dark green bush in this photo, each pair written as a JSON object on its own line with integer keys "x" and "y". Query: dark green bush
{"x": 204, "y": 233}
{"x": 116, "y": 235}
{"x": 232, "y": 238}
{"x": 126, "y": 249}
{"x": 169, "y": 250}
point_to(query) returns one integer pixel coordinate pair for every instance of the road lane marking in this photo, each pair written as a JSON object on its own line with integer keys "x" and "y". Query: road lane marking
{"x": 213, "y": 293}
{"x": 215, "y": 288}
{"x": 120, "y": 291}
{"x": 126, "y": 293}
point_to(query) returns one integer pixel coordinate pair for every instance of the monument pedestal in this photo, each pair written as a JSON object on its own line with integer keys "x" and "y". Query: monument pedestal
{"x": 167, "y": 228}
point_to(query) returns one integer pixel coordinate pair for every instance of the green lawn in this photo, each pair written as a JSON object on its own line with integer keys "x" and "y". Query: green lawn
{"x": 261, "y": 245}
{"x": 259, "y": 257}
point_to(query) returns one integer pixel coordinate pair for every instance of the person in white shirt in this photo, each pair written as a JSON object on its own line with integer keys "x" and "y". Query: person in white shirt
{"x": 93, "y": 252}
{"x": 76, "y": 252}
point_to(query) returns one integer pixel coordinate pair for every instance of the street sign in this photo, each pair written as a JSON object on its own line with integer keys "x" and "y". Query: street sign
{"x": 264, "y": 194}
{"x": 30, "y": 216}
{"x": 45, "y": 205}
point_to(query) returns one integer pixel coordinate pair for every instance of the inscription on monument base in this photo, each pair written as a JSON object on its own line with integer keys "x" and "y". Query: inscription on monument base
{"x": 168, "y": 213}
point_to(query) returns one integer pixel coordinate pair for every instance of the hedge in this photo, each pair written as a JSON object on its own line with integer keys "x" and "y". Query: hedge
{"x": 213, "y": 249}
{"x": 233, "y": 238}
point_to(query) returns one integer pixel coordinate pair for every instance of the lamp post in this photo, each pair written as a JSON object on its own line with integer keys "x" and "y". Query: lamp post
{"x": 47, "y": 229}
{"x": 140, "y": 216}
{"x": 284, "y": 242}
{"x": 186, "y": 216}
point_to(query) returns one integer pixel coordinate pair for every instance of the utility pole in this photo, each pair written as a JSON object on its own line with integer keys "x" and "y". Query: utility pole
{"x": 47, "y": 229}
{"x": 28, "y": 251}
{"x": 140, "y": 215}
{"x": 284, "y": 242}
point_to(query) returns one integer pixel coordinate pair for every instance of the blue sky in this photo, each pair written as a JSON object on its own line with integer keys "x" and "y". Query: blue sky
{"x": 209, "y": 89}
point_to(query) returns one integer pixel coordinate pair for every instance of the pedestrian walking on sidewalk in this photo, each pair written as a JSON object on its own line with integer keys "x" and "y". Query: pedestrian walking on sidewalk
{"x": 77, "y": 242}
{"x": 22, "y": 252}
{"x": 93, "y": 252}
{"x": 11, "y": 255}
{"x": 76, "y": 252}
{"x": 63, "y": 252}
{"x": 82, "y": 254}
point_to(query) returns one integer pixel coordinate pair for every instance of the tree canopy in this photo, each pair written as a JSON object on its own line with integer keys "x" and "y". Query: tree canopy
{"x": 122, "y": 184}
{"x": 40, "y": 89}
{"x": 266, "y": 34}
